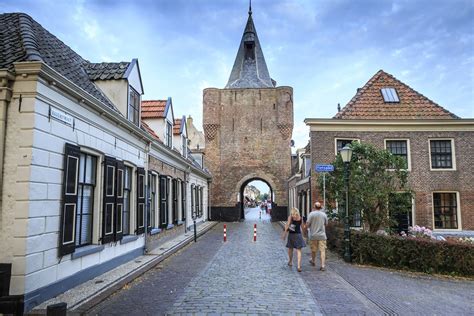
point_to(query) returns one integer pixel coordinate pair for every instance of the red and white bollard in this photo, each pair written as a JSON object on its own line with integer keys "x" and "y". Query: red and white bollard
{"x": 225, "y": 232}
{"x": 254, "y": 232}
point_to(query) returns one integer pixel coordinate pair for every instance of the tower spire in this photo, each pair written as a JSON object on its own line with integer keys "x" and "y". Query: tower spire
{"x": 250, "y": 69}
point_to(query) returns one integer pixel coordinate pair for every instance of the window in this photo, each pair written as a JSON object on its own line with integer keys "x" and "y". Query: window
{"x": 307, "y": 166}
{"x": 341, "y": 142}
{"x": 390, "y": 95}
{"x": 152, "y": 200}
{"x": 445, "y": 209}
{"x": 400, "y": 210}
{"x": 201, "y": 205}
{"x": 85, "y": 199}
{"x": 185, "y": 148}
{"x": 134, "y": 107}
{"x": 140, "y": 201}
{"x": 398, "y": 148}
{"x": 169, "y": 134}
{"x": 163, "y": 201}
{"x": 174, "y": 197}
{"x": 441, "y": 154}
{"x": 193, "y": 201}
{"x": 183, "y": 201}
{"x": 127, "y": 191}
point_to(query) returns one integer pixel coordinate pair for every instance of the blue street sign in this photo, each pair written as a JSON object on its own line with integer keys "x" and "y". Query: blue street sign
{"x": 324, "y": 168}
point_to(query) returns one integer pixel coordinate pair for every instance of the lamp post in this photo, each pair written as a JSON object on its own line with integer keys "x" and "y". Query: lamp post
{"x": 346, "y": 155}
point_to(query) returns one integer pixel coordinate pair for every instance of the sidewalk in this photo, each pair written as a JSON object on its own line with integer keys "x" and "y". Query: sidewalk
{"x": 88, "y": 294}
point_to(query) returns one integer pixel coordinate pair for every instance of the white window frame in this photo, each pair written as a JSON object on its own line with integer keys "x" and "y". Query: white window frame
{"x": 453, "y": 153}
{"x": 98, "y": 194}
{"x": 341, "y": 138}
{"x": 458, "y": 212}
{"x": 157, "y": 200}
{"x": 408, "y": 150}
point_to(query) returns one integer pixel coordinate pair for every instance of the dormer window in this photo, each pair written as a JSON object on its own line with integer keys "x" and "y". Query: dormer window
{"x": 169, "y": 134}
{"x": 390, "y": 95}
{"x": 134, "y": 106}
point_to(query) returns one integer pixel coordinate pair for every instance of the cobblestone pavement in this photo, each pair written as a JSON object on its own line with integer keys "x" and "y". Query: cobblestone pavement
{"x": 243, "y": 277}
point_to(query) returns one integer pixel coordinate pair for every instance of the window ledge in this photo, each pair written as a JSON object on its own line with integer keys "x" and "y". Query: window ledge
{"x": 128, "y": 238}
{"x": 169, "y": 226}
{"x": 87, "y": 250}
{"x": 155, "y": 231}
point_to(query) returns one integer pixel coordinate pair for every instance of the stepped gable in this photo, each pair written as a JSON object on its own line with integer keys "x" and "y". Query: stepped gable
{"x": 153, "y": 109}
{"x": 23, "y": 39}
{"x": 369, "y": 103}
{"x": 250, "y": 69}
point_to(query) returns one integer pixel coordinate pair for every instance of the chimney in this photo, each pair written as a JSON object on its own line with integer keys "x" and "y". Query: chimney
{"x": 339, "y": 107}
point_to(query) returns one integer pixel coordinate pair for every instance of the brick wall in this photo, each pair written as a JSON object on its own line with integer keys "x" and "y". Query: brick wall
{"x": 421, "y": 179}
{"x": 248, "y": 134}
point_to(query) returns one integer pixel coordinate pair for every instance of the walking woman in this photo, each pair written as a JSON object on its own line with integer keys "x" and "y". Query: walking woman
{"x": 295, "y": 239}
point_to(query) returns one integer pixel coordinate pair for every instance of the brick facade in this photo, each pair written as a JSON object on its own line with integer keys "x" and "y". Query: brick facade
{"x": 248, "y": 133}
{"x": 422, "y": 180}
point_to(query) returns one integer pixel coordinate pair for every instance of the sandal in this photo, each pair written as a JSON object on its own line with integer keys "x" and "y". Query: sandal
{"x": 290, "y": 264}
{"x": 299, "y": 270}
{"x": 312, "y": 263}
{"x": 322, "y": 269}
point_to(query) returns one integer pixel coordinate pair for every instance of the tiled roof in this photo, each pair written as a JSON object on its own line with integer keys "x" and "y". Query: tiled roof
{"x": 368, "y": 103}
{"x": 177, "y": 127}
{"x": 150, "y": 131}
{"x": 106, "y": 71}
{"x": 23, "y": 39}
{"x": 153, "y": 108}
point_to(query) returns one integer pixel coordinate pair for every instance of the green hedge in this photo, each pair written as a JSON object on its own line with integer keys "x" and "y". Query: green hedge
{"x": 405, "y": 253}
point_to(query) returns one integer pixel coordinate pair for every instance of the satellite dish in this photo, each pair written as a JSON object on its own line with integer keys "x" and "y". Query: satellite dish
{"x": 292, "y": 143}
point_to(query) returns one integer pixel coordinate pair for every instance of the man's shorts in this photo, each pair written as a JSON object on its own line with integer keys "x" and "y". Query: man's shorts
{"x": 317, "y": 244}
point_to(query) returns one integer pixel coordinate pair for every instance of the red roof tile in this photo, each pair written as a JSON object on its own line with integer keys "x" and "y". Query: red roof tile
{"x": 368, "y": 103}
{"x": 150, "y": 131}
{"x": 177, "y": 127}
{"x": 153, "y": 108}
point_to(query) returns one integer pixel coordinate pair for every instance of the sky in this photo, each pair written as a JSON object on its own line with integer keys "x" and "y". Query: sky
{"x": 324, "y": 49}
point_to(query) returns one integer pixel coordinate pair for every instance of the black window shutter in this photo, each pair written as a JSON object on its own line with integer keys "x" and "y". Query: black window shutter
{"x": 120, "y": 178}
{"x": 148, "y": 203}
{"x": 183, "y": 201}
{"x": 193, "y": 200}
{"x": 140, "y": 201}
{"x": 110, "y": 194}
{"x": 174, "y": 196}
{"x": 163, "y": 201}
{"x": 67, "y": 236}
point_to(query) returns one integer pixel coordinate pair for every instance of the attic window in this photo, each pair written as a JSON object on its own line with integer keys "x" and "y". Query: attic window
{"x": 390, "y": 95}
{"x": 249, "y": 50}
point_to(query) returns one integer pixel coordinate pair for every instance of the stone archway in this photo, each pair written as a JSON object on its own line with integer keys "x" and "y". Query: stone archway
{"x": 241, "y": 193}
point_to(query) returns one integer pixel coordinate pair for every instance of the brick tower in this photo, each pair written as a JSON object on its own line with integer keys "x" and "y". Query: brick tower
{"x": 248, "y": 127}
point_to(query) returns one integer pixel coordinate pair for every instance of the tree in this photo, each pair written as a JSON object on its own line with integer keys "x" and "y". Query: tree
{"x": 375, "y": 176}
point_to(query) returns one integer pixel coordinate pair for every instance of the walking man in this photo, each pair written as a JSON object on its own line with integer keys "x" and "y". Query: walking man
{"x": 316, "y": 223}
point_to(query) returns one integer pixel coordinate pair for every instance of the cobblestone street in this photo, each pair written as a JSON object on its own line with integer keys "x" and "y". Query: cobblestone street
{"x": 243, "y": 277}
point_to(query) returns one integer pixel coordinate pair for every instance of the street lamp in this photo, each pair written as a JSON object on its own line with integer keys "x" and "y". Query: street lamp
{"x": 346, "y": 155}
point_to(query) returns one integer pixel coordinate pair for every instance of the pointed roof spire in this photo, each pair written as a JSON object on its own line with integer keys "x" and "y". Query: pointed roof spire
{"x": 250, "y": 69}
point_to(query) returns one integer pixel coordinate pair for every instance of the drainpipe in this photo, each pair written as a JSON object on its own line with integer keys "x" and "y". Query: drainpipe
{"x": 6, "y": 92}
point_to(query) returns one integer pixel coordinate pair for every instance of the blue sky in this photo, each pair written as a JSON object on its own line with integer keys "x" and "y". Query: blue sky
{"x": 325, "y": 50}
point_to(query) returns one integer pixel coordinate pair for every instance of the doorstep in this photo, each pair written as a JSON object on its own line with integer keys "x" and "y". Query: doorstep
{"x": 85, "y": 296}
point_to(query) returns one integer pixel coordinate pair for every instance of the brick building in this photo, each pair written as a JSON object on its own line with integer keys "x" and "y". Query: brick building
{"x": 299, "y": 183}
{"x": 437, "y": 145}
{"x": 248, "y": 127}
{"x": 79, "y": 190}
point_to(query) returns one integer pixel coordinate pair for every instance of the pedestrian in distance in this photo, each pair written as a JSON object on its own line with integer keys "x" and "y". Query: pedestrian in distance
{"x": 295, "y": 239}
{"x": 269, "y": 207}
{"x": 316, "y": 224}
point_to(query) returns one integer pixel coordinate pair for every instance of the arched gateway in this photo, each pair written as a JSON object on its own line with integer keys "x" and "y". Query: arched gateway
{"x": 248, "y": 127}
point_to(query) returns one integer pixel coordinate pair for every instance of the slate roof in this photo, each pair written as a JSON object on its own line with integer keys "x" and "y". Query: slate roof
{"x": 153, "y": 108}
{"x": 248, "y": 72}
{"x": 368, "y": 103}
{"x": 107, "y": 71}
{"x": 177, "y": 126}
{"x": 23, "y": 39}
{"x": 150, "y": 131}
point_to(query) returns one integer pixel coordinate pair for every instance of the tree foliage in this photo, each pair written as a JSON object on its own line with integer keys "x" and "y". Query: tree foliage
{"x": 375, "y": 176}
